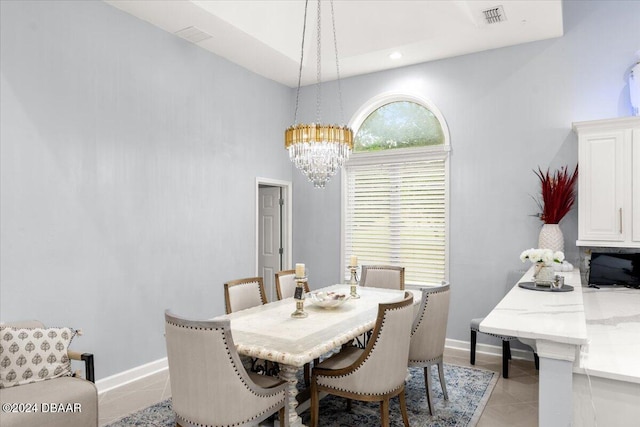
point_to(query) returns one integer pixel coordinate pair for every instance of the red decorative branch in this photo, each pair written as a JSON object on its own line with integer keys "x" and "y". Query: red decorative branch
{"x": 558, "y": 193}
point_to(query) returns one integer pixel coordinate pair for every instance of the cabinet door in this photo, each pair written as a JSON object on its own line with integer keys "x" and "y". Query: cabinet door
{"x": 601, "y": 185}
{"x": 635, "y": 185}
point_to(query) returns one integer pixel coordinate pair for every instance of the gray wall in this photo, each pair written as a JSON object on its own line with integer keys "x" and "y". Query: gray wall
{"x": 129, "y": 159}
{"x": 127, "y": 187}
{"x": 509, "y": 111}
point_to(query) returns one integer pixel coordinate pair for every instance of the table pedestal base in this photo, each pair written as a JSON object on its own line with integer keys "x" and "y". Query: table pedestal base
{"x": 290, "y": 374}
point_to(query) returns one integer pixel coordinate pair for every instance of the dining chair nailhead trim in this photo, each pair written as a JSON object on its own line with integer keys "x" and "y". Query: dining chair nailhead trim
{"x": 426, "y": 303}
{"x": 240, "y": 423}
{"x": 502, "y": 337}
{"x": 429, "y": 361}
{"x": 391, "y": 391}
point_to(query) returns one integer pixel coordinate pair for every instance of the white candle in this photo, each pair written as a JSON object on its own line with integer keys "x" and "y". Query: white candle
{"x": 354, "y": 261}
{"x": 299, "y": 270}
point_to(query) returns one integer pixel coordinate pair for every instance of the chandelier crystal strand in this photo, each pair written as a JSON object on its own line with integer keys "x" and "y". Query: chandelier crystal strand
{"x": 318, "y": 150}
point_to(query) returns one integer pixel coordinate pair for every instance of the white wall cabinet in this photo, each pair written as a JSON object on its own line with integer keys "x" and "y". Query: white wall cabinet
{"x": 609, "y": 182}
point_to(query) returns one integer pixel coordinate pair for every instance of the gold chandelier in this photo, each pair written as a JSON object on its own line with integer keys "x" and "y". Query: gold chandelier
{"x": 318, "y": 150}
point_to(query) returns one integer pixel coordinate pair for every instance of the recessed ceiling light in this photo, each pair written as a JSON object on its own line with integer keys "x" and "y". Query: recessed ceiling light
{"x": 395, "y": 55}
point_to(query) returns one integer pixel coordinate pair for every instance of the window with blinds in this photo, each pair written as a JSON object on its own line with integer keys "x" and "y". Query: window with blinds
{"x": 395, "y": 204}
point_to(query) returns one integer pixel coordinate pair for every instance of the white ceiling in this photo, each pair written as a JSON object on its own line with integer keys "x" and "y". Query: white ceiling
{"x": 264, "y": 36}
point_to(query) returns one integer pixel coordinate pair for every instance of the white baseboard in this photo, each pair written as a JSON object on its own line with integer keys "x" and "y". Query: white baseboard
{"x": 131, "y": 375}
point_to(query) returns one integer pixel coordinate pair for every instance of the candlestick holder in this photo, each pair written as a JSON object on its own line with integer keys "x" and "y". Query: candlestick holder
{"x": 354, "y": 282}
{"x": 299, "y": 297}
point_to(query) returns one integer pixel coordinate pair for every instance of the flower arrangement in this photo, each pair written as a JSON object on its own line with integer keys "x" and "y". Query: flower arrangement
{"x": 558, "y": 194}
{"x": 544, "y": 257}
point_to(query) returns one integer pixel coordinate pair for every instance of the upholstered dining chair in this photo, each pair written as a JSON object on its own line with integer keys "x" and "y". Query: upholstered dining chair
{"x": 286, "y": 284}
{"x": 506, "y": 347}
{"x": 382, "y": 276}
{"x": 209, "y": 385}
{"x": 428, "y": 335}
{"x": 374, "y": 374}
{"x": 244, "y": 293}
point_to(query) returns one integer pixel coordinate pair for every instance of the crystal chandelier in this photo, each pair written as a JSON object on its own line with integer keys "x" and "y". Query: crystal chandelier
{"x": 318, "y": 150}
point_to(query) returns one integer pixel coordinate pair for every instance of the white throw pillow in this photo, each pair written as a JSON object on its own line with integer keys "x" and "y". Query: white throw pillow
{"x": 28, "y": 355}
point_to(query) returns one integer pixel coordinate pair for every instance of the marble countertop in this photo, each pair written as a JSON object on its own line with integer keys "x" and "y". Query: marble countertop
{"x": 604, "y": 323}
{"x": 613, "y": 328}
{"x": 536, "y": 315}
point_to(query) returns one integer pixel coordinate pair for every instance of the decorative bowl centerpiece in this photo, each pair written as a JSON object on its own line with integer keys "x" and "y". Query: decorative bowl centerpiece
{"x": 328, "y": 299}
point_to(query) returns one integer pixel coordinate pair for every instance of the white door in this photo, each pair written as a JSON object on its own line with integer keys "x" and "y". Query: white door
{"x": 269, "y": 236}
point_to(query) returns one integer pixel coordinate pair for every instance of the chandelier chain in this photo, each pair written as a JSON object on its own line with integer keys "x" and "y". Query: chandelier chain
{"x": 335, "y": 46}
{"x": 318, "y": 67}
{"x": 304, "y": 30}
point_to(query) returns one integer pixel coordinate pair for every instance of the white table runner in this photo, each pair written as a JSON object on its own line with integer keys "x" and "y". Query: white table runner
{"x": 269, "y": 332}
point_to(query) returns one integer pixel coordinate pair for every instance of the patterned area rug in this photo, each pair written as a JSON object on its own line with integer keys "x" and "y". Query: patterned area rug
{"x": 468, "y": 388}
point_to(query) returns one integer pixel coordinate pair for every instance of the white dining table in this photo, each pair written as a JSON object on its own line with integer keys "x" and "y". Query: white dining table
{"x": 269, "y": 332}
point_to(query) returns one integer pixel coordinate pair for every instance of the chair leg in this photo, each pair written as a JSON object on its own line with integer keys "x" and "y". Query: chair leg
{"x": 473, "y": 347}
{"x": 315, "y": 403}
{"x": 509, "y": 349}
{"x": 307, "y": 375}
{"x": 403, "y": 408}
{"x": 384, "y": 412}
{"x": 349, "y": 405}
{"x": 307, "y": 371}
{"x": 505, "y": 359}
{"x": 281, "y": 417}
{"x": 536, "y": 360}
{"x": 427, "y": 383}
{"x": 443, "y": 383}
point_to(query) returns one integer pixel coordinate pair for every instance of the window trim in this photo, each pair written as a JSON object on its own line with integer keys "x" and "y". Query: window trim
{"x": 433, "y": 152}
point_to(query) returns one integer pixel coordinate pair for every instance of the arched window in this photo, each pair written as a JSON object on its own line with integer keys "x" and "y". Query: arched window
{"x": 399, "y": 124}
{"x": 395, "y": 188}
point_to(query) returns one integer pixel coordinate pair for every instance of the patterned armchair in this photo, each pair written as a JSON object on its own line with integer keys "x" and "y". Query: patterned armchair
{"x": 35, "y": 371}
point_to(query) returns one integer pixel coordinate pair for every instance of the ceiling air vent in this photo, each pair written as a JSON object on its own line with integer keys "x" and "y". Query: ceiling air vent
{"x": 494, "y": 15}
{"x": 193, "y": 34}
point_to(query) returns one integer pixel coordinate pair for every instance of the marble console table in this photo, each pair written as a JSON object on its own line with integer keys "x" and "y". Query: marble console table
{"x": 554, "y": 324}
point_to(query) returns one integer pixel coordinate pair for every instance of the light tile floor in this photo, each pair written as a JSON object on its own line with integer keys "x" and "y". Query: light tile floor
{"x": 514, "y": 401}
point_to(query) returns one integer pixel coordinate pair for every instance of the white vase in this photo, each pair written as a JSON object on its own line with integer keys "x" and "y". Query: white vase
{"x": 551, "y": 238}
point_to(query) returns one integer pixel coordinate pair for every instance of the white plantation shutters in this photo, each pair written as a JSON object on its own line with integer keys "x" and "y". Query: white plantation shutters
{"x": 395, "y": 214}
